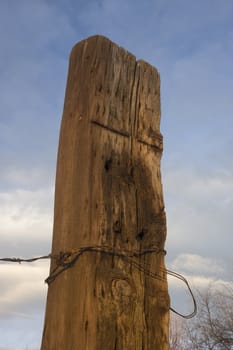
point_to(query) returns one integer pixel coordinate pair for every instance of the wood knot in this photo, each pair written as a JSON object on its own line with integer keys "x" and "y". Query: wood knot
{"x": 122, "y": 291}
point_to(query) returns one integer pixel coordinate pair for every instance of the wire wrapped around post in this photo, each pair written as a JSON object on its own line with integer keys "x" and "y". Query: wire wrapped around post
{"x": 65, "y": 260}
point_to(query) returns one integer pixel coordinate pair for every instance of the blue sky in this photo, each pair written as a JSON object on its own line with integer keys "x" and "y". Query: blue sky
{"x": 191, "y": 44}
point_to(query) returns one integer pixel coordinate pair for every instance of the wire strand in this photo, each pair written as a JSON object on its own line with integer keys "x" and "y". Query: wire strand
{"x": 65, "y": 260}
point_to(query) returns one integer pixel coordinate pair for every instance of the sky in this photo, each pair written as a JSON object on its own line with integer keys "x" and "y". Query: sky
{"x": 191, "y": 44}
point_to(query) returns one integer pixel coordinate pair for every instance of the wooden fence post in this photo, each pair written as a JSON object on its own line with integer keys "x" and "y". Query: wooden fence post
{"x": 109, "y": 194}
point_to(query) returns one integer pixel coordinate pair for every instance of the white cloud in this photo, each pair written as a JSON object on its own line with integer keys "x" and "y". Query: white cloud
{"x": 200, "y": 272}
{"x": 198, "y": 211}
{"x": 206, "y": 190}
{"x": 22, "y": 208}
{"x": 194, "y": 264}
{"x": 26, "y": 231}
{"x": 24, "y": 291}
{"x": 181, "y": 299}
{"x": 26, "y": 222}
{"x": 19, "y": 176}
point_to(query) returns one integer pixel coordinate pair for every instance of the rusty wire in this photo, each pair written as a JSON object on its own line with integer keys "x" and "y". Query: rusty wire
{"x": 65, "y": 260}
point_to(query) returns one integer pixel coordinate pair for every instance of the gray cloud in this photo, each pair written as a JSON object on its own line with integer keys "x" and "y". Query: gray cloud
{"x": 199, "y": 212}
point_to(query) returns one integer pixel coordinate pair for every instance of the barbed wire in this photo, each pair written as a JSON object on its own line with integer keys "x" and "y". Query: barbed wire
{"x": 20, "y": 260}
{"x": 65, "y": 260}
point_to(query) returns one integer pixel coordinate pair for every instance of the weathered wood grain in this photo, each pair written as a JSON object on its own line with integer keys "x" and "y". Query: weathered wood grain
{"x": 108, "y": 192}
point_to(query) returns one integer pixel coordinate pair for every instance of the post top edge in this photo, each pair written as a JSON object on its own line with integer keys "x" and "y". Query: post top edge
{"x": 100, "y": 39}
{"x": 147, "y": 65}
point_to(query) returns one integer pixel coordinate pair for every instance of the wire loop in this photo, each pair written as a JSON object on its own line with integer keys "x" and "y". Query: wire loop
{"x": 65, "y": 260}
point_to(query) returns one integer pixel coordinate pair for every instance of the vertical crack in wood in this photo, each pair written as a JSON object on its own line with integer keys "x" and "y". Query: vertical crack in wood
{"x": 134, "y": 108}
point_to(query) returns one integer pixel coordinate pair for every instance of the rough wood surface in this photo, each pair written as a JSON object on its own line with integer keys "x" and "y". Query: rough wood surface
{"x": 108, "y": 192}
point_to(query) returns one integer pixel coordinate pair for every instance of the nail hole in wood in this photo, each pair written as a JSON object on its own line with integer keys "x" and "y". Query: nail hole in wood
{"x": 141, "y": 235}
{"x": 108, "y": 164}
